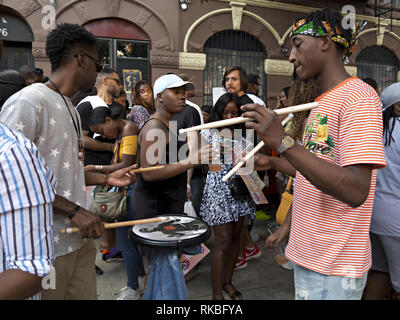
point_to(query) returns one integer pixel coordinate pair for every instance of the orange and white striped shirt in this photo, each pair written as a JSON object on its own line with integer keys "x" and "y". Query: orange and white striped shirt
{"x": 327, "y": 235}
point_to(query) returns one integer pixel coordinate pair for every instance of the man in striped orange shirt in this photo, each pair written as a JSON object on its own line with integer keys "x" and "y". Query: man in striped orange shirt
{"x": 335, "y": 169}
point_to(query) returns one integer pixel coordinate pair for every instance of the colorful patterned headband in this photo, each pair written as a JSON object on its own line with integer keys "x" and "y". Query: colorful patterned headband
{"x": 304, "y": 27}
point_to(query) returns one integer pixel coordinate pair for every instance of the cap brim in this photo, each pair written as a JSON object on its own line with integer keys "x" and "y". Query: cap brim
{"x": 187, "y": 84}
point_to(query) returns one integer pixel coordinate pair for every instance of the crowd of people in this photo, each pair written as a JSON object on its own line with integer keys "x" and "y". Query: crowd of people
{"x": 62, "y": 134}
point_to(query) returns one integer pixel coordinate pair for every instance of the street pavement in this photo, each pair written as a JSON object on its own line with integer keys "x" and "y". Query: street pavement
{"x": 262, "y": 279}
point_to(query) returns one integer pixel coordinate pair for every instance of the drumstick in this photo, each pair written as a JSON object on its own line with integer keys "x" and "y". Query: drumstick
{"x": 118, "y": 224}
{"x": 146, "y": 169}
{"x": 252, "y": 153}
{"x": 237, "y": 120}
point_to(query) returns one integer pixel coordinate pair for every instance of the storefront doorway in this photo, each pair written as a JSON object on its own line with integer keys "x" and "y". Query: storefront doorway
{"x": 17, "y": 39}
{"x": 125, "y": 47}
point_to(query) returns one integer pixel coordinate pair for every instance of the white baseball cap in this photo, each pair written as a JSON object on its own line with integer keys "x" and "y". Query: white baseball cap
{"x": 169, "y": 81}
{"x": 390, "y": 95}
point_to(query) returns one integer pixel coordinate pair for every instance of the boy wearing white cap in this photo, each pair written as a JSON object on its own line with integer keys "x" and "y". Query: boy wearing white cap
{"x": 163, "y": 191}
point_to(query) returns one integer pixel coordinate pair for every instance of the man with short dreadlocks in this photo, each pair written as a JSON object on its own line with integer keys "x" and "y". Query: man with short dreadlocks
{"x": 335, "y": 168}
{"x": 44, "y": 113}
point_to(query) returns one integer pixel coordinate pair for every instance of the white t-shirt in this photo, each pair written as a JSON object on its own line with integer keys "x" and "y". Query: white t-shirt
{"x": 42, "y": 116}
{"x": 95, "y": 101}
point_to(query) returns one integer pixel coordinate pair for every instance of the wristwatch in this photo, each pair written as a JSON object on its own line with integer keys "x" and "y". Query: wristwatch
{"x": 73, "y": 213}
{"x": 286, "y": 143}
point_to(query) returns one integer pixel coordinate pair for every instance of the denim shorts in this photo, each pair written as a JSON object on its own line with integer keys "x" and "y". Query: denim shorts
{"x": 311, "y": 285}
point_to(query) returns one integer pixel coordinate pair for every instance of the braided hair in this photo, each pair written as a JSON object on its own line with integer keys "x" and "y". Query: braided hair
{"x": 137, "y": 99}
{"x": 334, "y": 19}
{"x": 301, "y": 92}
{"x": 62, "y": 42}
{"x": 388, "y": 126}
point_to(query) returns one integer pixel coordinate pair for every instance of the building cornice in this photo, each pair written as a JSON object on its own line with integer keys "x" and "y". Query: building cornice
{"x": 305, "y": 9}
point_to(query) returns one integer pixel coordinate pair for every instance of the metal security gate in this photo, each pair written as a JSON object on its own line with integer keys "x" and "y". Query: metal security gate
{"x": 232, "y": 48}
{"x": 378, "y": 63}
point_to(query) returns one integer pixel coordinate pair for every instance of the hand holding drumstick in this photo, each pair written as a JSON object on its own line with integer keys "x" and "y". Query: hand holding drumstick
{"x": 119, "y": 224}
{"x": 266, "y": 123}
{"x": 146, "y": 169}
{"x": 252, "y": 153}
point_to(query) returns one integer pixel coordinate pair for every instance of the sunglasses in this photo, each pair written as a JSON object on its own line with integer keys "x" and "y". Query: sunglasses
{"x": 99, "y": 64}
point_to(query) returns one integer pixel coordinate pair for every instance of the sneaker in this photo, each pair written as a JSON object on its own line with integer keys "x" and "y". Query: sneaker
{"x": 288, "y": 266}
{"x": 252, "y": 253}
{"x": 129, "y": 294}
{"x": 241, "y": 263}
{"x": 113, "y": 255}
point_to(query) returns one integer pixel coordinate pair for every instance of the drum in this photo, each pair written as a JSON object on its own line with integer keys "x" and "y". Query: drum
{"x": 177, "y": 232}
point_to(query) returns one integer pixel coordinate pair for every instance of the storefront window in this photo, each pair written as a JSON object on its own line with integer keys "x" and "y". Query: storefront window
{"x": 129, "y": 57}
{"x": 104, "y": 48}
{"x": 132, "y": 49}
{"x": 123, "y": 46}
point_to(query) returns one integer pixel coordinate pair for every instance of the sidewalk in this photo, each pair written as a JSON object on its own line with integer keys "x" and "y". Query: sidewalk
{"x": 262, "y": 279}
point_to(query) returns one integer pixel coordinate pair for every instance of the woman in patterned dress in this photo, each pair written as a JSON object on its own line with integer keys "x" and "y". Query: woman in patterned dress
{"x": 220, "y": 210}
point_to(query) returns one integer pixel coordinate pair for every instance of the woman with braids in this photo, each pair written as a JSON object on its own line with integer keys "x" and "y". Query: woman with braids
{"x": 110, "y": 124}
{"x": 385, "y": 223}
{"x": 335, "y": 167}
{"x": 143, "y": 103}
{"x": 300, "y": 92}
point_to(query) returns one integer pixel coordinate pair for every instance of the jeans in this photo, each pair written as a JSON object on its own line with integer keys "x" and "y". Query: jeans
{"x": 311, "y": 285}
{"x": 165, "y": 280}
{"x": 132, "y": 258}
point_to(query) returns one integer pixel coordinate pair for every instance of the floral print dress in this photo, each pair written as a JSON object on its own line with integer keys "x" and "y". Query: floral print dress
{"x": 218, "y": 206}
{"x": 139, "y": 115}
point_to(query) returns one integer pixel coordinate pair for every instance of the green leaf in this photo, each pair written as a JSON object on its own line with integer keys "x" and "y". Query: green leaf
{"x": 329, "y": 142}
{"x": 324, "y": 120}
